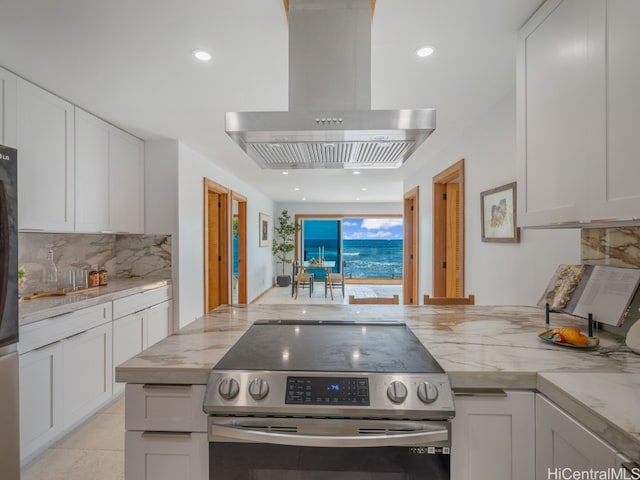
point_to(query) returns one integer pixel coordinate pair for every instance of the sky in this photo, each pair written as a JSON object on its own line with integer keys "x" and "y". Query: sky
{"x": 372, "y": 228}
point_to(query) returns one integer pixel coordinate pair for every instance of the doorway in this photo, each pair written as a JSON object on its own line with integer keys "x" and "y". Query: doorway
{"x": 448, "y": 232}
{"x": 217, "y": 248}
{"x": 410, "y": 287}
{"x": 239, "y": 249}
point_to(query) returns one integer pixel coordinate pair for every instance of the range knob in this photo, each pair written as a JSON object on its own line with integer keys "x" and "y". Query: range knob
{"x": 427, "y": 392}
{"x": 258, "y": 388}
{"x": 228, "y": 388}
{"x": 397, "y": 392}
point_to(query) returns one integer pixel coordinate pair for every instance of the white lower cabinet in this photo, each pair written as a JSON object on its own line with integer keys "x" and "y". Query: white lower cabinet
{"x": 87, "y": 372}
{"x": 166, "y": 433}
{"x": 40, "y": 397}
{"x": 140, "y": 320}
{"x": 564, "y": 445}
{"x": 493, "y": 436}
{"x": 166, "y": 456}
{"x": 158, "y": 321}
{"x": 129, "y": 334}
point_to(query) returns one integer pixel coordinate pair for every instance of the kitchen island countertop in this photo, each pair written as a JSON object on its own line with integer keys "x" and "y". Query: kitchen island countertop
{"x": 478, "y": 346}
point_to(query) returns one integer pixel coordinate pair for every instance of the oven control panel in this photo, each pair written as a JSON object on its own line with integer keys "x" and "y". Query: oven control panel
{"x": 410, "y": 395}
{"x": 327, "y": 391}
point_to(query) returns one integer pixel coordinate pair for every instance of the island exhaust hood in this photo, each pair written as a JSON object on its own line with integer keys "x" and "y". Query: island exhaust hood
{"x": 330, "y": 123}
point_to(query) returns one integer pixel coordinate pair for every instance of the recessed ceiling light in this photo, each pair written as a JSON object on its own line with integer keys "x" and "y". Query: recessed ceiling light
{"x": 297, "y": 189}
{"x": 356, "y": 172}
{"x": 285, "y": 173}
{"x": 364, "y": 189}
{"x": 303, "y": 199}
{"x": 425, "y": 51}
{"x": 202, "y": 55}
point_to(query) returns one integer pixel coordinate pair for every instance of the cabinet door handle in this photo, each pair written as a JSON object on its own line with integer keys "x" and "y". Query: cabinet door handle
{"x": 76, "y": 335}
{"x": 45, "y": 346}
{"x": 181, "y": 435}
{"x": 479, "y": 392}
{"x": 162, "y": 386}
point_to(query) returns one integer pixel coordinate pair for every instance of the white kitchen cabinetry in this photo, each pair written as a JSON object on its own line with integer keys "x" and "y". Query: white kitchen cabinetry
{"x": 562, "y": 442}
{"x": 109, "y": 177}
{"x": 88, "y": 370}
{"x": 65, "y": 373}
{"x": 578, "y": 151}
{"x": 493, "y": 436}
{"x": 41, "y": 416}
{"x": 45, "y": 142}
{"x": 126, "y": 184}
{"x": 8, "y": 95}
{"x": 140, "y": 320}
{"x": 616, "y": 193}
{"x": 166, "y": 432}
{"x": 92, "y": 173}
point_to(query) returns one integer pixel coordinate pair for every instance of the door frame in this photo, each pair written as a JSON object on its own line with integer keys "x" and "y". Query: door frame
{"x": 242, "y": 246}
{"x": 441, "y": 217}
{"x": 222, "y": 247}
{"x": 411, "y": 227}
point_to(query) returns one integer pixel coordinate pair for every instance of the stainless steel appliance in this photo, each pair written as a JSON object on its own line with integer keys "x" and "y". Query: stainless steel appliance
{"x": 324, "y": 399}
{"x": 330, "y": 123}
{"x": 9, "y": 401}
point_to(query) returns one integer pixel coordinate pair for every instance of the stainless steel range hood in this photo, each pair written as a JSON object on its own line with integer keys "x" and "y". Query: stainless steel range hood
{"x": 330, "y": 123}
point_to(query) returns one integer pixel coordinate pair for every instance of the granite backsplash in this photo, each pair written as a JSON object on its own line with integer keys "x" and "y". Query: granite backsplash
{"x": 123, "y": 256}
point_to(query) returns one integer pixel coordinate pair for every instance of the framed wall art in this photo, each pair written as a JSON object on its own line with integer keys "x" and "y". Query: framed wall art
{"x": 264, "y": 229}
{"x": 498, "y": 213}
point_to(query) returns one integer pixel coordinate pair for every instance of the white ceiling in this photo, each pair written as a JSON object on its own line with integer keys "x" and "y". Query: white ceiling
{"x": 129, "y": 62}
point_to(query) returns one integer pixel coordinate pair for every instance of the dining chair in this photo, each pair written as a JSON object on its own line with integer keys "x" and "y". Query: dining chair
{"x": 336, "y": 279}
{"x": 395, "y": 300}
{"x": 301, "y": 279}
{"x": 470, "y": 300}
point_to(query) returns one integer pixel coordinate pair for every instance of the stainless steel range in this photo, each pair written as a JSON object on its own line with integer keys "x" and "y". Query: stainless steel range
{"x": 318, "y": 399}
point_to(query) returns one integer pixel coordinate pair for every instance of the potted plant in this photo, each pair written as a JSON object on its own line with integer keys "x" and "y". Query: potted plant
{"x": 283, "y": 244}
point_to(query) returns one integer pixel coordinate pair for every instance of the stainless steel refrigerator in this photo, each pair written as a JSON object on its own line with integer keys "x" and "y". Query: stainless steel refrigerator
{"x": 9, "y": 400}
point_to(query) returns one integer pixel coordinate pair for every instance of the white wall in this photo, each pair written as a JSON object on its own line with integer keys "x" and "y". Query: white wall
{"x": 177, "y": 178}
{"x": 510, "y": 274}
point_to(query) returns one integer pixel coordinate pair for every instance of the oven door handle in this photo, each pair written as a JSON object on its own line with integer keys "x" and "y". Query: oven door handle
{"x": 404, "y": 439}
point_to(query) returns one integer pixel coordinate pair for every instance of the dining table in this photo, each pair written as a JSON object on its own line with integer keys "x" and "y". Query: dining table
{"x": 326, "y": 265}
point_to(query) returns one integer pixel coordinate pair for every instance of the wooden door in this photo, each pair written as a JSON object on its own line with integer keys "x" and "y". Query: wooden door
{"x": 448, "y": 232}
{"x": 217, "y": 247}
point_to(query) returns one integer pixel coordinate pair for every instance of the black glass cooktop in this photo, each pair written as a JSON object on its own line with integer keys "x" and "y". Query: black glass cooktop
{"x": 329, "y": 346}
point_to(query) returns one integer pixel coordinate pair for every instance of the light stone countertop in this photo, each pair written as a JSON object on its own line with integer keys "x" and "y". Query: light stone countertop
{"x": 41, "y": 308}
{"x": 478, "y": 346}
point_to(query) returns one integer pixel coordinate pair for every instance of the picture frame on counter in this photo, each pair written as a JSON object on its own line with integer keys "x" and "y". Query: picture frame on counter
{"x": 264, "y": 229}
{"x": 498, "y": 211}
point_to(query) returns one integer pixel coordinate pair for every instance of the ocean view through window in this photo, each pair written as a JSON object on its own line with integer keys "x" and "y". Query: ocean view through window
{"x": 371, "y": 247}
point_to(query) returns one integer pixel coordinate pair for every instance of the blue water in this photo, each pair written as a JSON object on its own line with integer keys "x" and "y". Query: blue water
{"x": 365, "y": 258}
{"x": 373, "y": 258}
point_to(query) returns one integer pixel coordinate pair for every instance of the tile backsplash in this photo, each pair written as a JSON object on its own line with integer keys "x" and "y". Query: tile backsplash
{"x": 617, "y": 247}
{"x": 122, "y": 255}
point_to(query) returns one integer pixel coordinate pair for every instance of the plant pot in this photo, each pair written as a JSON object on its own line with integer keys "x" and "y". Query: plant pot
{"x": 283, "y": 280}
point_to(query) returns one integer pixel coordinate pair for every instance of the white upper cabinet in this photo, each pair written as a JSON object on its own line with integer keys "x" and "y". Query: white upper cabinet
{"x": 616, "y": 194}
{"x": 126, "y": 185}
{"x": 8, "y": 134}
{"x": 561, "y": 108}
{"x": 578, "y": 151}
{"x": 109, "y": 177}
{"x": 45, "y": 141}
{"x": 92, "y": 173}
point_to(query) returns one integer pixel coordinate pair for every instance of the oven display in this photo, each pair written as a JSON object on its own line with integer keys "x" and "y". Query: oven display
{"x": 327, "y": 391}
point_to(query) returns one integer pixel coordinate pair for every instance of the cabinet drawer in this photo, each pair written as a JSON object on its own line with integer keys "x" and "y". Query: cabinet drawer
{"x": 140, "y": 301}
{"x": 175, "y": 408}
{"x": 53, "y": 329}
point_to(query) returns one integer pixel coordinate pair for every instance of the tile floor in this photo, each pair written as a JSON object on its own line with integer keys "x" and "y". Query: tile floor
{"x": 95, "y": 450}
